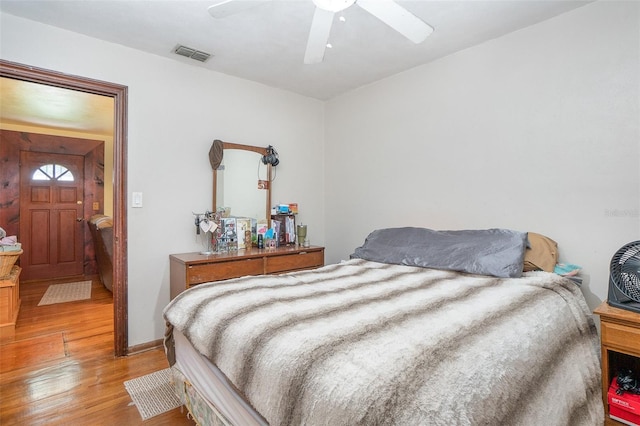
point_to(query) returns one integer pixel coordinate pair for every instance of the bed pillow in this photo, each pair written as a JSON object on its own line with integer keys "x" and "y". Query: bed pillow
{"x": 541, "y": 253}
{"x": 496, "y": 252}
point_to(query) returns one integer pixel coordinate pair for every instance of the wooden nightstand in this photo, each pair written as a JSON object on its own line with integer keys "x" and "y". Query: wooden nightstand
{"x": 10, "y": 299}
{"x": 189, "y": 269}
{"x": 620, "y": 343}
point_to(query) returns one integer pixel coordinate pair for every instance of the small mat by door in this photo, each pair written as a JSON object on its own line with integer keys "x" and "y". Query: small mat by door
{"x": 153, "y": 394}
{"x": 69, "y": 292}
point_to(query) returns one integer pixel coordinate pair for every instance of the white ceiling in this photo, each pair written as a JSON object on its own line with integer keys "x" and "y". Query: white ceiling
{"x": 40, "y": 106}
{"x": 266, "y": 43}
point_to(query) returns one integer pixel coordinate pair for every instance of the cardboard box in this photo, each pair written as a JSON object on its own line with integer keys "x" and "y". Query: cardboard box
{"x": 624, "y": 408}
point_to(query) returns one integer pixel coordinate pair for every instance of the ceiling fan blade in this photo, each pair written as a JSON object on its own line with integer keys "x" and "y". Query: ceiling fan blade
{"x": 225, "y": 8}
{"x": 398, "y": 18}
{"x": 318, "y": 36}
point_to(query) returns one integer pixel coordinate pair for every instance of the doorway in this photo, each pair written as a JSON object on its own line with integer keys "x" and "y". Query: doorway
{"x": 119, "y": 95}
{"x": 51, "y": 215}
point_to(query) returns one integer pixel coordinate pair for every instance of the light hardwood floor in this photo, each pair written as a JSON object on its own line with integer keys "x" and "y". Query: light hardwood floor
{"x": 59, "y": 368}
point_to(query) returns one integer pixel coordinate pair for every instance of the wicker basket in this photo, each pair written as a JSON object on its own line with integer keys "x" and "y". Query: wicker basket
{"x": 7, "y": 260}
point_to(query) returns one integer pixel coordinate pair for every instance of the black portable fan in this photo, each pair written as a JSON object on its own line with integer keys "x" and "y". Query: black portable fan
{"x": 624, "y": 278}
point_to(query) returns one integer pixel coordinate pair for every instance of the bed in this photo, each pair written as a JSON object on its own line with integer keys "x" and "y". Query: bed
{"x": 396, "y": 335}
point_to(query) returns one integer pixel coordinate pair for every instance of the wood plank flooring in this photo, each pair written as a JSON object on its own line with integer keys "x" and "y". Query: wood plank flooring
{"x": 58, "y": 366}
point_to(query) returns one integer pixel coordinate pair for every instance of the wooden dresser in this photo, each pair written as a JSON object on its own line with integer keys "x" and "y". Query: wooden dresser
{"x": 10, "y": 298}
{"x": 189, "y": 269}
{"x": 620, "y": 343}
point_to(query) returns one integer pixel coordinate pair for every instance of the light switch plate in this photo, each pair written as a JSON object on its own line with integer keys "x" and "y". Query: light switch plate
{"x": 136, "y": 199}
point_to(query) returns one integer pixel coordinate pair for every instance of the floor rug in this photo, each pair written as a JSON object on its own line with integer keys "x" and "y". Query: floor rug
{"x": 69, "y": 292}
{"x": 153, "y": 394}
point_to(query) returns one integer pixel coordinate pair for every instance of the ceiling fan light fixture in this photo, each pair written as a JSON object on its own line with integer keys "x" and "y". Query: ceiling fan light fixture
{"x": 333, "y": 5}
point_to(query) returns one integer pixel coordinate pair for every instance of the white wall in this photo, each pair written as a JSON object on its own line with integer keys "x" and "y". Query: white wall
{"x": 536, "y": 131}
{"x": 176, "y": 110}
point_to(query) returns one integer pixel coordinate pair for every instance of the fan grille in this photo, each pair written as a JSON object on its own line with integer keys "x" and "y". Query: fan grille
{"x": 629, "y": 253}
{"x": 625, "y": 270}
{"x": 631, "y": 285}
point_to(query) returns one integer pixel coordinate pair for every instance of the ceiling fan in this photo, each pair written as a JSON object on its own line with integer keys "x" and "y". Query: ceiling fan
{"x": 388, "y": 11}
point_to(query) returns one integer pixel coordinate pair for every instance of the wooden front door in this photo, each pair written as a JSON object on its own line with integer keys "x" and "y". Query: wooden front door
{"x": 51, "y": 215}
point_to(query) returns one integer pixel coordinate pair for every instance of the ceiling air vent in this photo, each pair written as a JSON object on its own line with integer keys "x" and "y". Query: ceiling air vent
{"x": 191, "y": 53}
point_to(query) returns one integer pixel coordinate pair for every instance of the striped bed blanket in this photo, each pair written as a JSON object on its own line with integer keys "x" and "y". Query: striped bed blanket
{"x": 367, "y": 343}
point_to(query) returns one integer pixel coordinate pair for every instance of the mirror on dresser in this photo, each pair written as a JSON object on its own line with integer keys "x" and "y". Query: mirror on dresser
{"x": 236, "y": 186}
{"x": 236, "y": 181}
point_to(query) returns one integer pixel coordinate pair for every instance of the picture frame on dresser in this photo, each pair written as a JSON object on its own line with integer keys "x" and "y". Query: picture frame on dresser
{"x": 228, "y": 239}
{"x": 243, "y": 226}
{"x": 286, "y": 230}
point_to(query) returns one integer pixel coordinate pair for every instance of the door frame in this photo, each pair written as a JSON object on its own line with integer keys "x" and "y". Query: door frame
{"x": 119, "y": 94}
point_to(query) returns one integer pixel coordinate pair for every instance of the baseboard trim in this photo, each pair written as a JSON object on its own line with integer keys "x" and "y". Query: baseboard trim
{"x": 144, "y": 347}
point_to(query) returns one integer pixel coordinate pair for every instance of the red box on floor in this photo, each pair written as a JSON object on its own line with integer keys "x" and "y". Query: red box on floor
{"x": 626, "y": 407}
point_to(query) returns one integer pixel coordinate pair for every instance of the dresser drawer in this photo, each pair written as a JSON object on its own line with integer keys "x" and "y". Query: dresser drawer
{"x": 294, "y": 261}
{"x": 621, "y": 336}
{"x": 189, "y": 269}
{"x": 197, "y": 274}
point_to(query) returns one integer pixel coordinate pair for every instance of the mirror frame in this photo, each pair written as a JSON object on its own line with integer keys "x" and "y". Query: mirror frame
{"x": 257, "y": 149}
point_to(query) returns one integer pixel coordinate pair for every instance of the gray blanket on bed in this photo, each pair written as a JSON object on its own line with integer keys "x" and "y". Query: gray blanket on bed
{"x": 366, "y": 343}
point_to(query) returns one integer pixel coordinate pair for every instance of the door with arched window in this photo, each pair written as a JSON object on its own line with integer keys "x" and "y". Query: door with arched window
{"x": 51, "y": 215}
